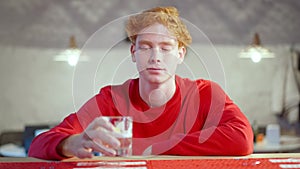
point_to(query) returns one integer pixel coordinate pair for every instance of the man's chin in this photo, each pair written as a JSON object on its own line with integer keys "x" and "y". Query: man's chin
{"x": 157, "y": 79}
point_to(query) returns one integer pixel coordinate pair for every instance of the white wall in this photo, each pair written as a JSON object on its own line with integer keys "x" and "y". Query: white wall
{"x": 37, "y": 90}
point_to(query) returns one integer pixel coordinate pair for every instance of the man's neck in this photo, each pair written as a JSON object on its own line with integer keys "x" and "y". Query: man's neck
{"x": 157, "y": 94}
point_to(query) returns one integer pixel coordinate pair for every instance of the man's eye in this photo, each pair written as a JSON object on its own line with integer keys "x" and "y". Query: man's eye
{"x": 166, "y": 49}
{"x": 144, "y": 47}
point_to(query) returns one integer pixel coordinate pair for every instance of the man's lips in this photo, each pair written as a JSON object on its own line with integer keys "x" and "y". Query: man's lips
{"x": 155, "y": 69}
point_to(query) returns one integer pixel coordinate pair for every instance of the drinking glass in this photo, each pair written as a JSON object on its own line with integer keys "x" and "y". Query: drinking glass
{"x": 123, "y": 129}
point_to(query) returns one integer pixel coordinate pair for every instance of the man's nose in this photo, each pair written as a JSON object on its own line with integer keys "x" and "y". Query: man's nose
{"x": 155, "y": 55}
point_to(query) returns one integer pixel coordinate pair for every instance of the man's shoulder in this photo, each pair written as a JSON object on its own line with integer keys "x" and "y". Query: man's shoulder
{"x": 201, "y": 84}
{"x": 124, "y": 85}
{"x": 188, "y": 81}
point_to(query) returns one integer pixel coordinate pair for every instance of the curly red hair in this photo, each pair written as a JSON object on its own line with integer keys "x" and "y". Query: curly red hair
{"x": 167, "y": 16}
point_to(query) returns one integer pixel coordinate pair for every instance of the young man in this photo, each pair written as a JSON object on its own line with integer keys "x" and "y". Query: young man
{"x": 171, "y": 115}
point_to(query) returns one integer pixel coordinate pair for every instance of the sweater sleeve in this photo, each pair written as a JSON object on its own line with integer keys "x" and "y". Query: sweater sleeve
{"x": 44, "y": 145}
{"x": 226, "y": 130}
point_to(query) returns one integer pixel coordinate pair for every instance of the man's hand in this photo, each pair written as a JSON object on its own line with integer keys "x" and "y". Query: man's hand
{"x": 99, "y": 136}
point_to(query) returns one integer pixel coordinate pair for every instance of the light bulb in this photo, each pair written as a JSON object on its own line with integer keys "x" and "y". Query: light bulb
{"x": 255, "y": 56}
{"x": 72, "y": 60}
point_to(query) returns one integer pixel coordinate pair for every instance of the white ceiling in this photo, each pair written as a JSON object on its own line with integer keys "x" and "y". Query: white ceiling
{"x": 49, "y": 23}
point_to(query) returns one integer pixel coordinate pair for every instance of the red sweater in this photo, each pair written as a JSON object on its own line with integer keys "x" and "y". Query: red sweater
{"x": 199, "y": 119}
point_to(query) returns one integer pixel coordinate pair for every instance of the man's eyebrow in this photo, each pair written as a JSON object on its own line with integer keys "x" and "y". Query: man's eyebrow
{"x": 167, "y": 43}
{"x": 160, "y": 43}
{"x": 144, "y": 42}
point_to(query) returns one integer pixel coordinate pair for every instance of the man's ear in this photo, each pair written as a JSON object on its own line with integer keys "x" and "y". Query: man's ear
{"x": 181, "y": 54}
{"x": 132, "y": 51}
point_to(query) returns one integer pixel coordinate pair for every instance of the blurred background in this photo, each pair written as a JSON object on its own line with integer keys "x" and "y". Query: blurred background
{"x": 37, "y": 81}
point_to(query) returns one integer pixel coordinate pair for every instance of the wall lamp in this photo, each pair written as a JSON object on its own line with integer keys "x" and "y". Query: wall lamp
{"x": 256, "y": 51}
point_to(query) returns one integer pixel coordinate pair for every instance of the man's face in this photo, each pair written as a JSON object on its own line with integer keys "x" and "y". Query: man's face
{"x": 156, "y": 54}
